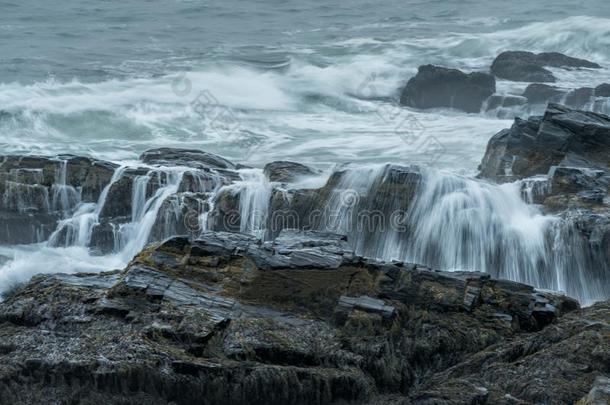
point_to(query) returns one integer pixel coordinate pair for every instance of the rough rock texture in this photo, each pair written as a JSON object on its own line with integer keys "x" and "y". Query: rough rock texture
{"x": 534, "y": 145}
{"x": 529, "y": 67}
{"x": 285, "y": 172}
{"x": 227, "y": 319}
{"x": 435, "y": 86}
{"x": 185, "y": 157}
{"x": 35, "y": 192}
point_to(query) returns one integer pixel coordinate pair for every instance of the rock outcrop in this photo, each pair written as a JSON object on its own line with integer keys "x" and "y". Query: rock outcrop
{"x": 435, "y": 86}
{"x": 36, "y": 192}
{"x": 228, "y": 319}
{"x": 531, "y": 147}
{"x": 529, "y": 67}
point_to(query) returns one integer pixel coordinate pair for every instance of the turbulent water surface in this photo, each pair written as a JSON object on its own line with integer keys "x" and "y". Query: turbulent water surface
{"x": 311, "y": 81}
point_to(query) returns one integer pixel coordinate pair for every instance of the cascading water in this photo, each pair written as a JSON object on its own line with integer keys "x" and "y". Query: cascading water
{"x": 132, "y": 237}
{"x": 77, "y": 229}
{"x": 64, "y": 196}
{"x": 254, "y": 192}
{"x": 458, "y": 223}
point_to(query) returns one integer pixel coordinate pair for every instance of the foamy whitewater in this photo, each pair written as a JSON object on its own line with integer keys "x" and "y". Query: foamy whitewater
{"x": 313, "y": 83}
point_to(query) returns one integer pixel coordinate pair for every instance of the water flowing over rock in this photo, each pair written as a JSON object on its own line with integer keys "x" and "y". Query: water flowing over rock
{"x": 37, "y": 192}
{"x": 389, "y": 212}
{"x": 222, "y": 318}
{"x": 435, "y": 86}
{"x": 530, "y": 67}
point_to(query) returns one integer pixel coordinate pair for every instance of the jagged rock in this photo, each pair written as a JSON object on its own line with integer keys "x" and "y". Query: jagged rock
{"x": 599, "y": 394}
{"x": 226, "y": 215}
{"x": 185, "y": 157}
{"x": 38, "y": 191}
{"x": 366, "y": 304}
{"x": 286, "y": 172}
{"x": 533, "y": 146}
{"x": 201, "y": 322}
{"x": 529, "y": 67}
{"x": 435, "y": 86}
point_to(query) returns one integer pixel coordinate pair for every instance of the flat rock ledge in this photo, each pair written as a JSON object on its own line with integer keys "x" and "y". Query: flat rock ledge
{"x": 228, "y": 319}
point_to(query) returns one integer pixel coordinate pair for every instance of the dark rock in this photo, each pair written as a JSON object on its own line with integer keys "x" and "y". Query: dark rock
{"x": 505, "y": 101}
{"x": 226, "y": 214}
{"x": 366, "y": 304}
{"x": 185, "y": 157}
{"x": 599, "y": 394}
{"x": 529, "y": 67}
{"x": 532, "y": 147}
{"x": 580, "y": 98}
{"x": 603, "y": 90}
{"x": 286, "y": 172}
{"x": 435, "y": 86}
{"x": 201, "y": 322}
{"x": 537, "y": 93}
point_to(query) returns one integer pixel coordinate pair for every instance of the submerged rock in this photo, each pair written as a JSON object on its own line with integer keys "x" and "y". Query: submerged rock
{"x": 228, "y": 319}
{"x": 436, "y": 86}
{"x": 529, "y": 67}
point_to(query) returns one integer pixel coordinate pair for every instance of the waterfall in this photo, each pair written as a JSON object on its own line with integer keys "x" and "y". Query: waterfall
{"x": 77, "y": 229}
{"x": 457, "y": 223}
{"x": 254, "y": 192}
{"x": 64, "y": 196}
{"x": 129, "y": 238}
{"x": 132, "y": 237}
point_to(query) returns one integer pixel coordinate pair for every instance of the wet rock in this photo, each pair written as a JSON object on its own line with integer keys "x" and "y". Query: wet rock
{"x": 201, "y": 322}
{"x": 185, "y": 157}
{"x": 435, "y": 86}
{"x": 531, "y": 147}
{"x": 505, "y": 101}
{"x": 226, "y": 214}
{"x": 366, "y": 304}
{"x": 529, "y": 67}
{"x": 599, "y": 394}
{"x": 286, "y": 172}
{"x": 580, "y": 98}
{"x": 38, "y": 191}
{"x": 603, "y": 90}
{"x": 538, "y": 93}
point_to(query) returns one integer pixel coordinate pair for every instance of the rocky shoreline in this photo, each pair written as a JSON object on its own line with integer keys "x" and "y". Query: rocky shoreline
{"x": 228, "y": 319}
{"x": 437, "y": 86}
{"x": 249, "y": 286}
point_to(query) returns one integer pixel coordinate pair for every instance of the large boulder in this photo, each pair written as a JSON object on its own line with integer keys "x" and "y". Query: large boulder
{"x": 531, "y": 147}
{"x": 529, "y": 67}
{"x": 436, "y": 86}
{"x": 301, "y": 320}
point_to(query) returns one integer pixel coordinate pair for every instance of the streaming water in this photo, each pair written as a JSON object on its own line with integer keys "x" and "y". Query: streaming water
{"x": 305, "y": 81}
